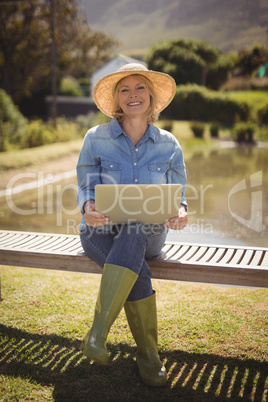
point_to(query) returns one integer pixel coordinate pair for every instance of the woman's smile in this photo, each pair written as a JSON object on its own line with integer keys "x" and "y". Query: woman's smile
{"x": 134, "y": 103}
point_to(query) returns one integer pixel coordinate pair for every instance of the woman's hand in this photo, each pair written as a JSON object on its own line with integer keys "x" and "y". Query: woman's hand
{"x": 92, "y": 217}
{"x": 178, "y": 222}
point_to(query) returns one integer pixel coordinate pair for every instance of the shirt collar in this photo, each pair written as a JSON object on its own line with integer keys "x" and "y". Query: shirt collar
{"x": 116, "y": 131}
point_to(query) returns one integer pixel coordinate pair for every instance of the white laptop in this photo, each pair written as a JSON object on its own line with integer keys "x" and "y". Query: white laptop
{"x": 145, "y": 203}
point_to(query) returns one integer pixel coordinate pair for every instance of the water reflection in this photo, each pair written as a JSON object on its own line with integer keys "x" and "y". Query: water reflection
{"x": 226, "y": 192}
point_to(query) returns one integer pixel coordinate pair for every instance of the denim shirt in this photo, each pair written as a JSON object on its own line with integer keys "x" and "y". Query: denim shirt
{"x": 108, "y": 156}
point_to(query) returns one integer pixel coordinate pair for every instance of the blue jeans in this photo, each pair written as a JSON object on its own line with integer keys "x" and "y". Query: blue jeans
{"x": 128, "y": 246}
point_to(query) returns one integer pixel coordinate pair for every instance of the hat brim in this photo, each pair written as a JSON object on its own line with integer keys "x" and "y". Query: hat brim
{"x": 164, "y": 85}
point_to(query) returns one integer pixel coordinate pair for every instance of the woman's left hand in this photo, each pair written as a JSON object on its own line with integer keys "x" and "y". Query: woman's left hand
{"x": 178, "y": 222}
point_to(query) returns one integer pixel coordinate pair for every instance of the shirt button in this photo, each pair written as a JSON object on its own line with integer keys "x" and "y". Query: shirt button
{"x": 135, "y": 163}
{"x": 136, "y": 150}
{"x": 111, "y": 166}
{"x": 158, "y": 168}
{"x": 136, "y": 180}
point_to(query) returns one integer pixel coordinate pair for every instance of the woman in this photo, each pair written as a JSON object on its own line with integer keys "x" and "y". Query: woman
{"x": 129, "y": 149}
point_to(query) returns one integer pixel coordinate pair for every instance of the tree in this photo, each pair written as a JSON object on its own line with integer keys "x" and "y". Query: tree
{"x": 248, "y": 60}
{"x": 190, "y": 61}
{"x": 90, "y": 50}
{"x": 25, "y": 45}
{"x": 11, "y": 120}
{"x": 219, "y": 71}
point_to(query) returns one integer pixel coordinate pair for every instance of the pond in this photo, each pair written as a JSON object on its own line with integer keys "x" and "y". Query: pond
{"x": 227, "y": 193}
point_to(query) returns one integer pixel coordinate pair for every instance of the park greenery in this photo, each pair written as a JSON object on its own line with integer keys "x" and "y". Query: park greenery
{"x": 212, "y": 340}
{"x": 219, "y": 89}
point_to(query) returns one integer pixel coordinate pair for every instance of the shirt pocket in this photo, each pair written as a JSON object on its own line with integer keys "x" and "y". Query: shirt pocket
{"x": 111, "y": 172}
{"x": 157, "y": 172}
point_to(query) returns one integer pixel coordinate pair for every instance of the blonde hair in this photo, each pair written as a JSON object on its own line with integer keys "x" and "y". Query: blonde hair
{"x": 118, "y": 113}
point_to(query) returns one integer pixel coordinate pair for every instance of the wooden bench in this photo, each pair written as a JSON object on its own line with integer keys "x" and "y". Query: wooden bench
{"x": 213, "y": 264}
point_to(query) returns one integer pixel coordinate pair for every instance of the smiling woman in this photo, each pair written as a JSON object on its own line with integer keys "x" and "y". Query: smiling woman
{"x": 128, "y": 150}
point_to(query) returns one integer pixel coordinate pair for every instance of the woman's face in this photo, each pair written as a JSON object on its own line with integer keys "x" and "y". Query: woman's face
{"x": 133, "y": 96}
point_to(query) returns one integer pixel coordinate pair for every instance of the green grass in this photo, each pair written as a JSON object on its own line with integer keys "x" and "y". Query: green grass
{"x": 35, "y": 156}
{"x": 255, "y": 98}
{"x": 212, "y": 339}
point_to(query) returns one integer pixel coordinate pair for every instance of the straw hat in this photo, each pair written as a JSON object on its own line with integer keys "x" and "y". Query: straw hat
{"x": 164, "y": 85}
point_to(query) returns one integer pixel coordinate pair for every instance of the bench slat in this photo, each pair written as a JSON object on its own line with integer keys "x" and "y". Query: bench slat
{"x": 189, "y": 254}
{"x": 211, "y": 250}
{"x": 11, "y": 239}
{"x": 237, "y": 257}
{"x": 257, "y": 257}
{"x": 249, "y": 254}
{"x": 181, "y": 251}
{"x": 219, "y": 253}
{"x": 172, "y": 251}
{"x": 199, "y": 254}
{"x": 264, "y": 262}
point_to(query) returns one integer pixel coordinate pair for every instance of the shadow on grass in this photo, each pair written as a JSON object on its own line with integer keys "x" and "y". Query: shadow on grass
{"x": 51, "y": 360}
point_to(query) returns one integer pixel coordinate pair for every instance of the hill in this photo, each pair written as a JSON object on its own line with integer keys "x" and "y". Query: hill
{"x": 226, "y": 24}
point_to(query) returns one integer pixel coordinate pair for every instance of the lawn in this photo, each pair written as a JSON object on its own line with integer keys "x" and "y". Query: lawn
{"x": 35, "y": 156}
{"x": 213, "y": 340}
{"x": 255, "y": 98}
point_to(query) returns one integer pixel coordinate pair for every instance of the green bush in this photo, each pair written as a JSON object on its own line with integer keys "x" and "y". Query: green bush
{"x": 66, "y": 131}
{"x": 37, "y": 134}
{"x": 214, "y": 129}
{"x": 244, "y": 132}
{"x": 194, "y": 102}
{"x": 12, "y": 122}
{"x": 198, "y": 129}
{"x": 263, "y": 114}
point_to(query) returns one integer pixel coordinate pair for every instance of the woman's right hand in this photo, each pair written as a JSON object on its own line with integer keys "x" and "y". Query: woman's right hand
{"x": 92, "y": 217}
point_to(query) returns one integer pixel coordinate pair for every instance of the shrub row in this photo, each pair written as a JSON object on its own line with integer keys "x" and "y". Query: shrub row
{"x": 198, "y": 129}
{"x": 193, "y": 102}
{"x": 37, "y": 132}
{"x": 242, "y": 132}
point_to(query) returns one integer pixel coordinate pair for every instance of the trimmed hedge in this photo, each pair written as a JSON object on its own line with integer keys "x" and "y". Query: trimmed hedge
{"x": 263, "y": 114}
{"x": 244, "y": 132}
{"x": 198, "y": 129}
{"x": 194, "y": 102}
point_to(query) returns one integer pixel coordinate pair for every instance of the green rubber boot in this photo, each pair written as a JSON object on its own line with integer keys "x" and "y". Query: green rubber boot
{"x": 142, "y": 320}
{"x": 116, "y": 283}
